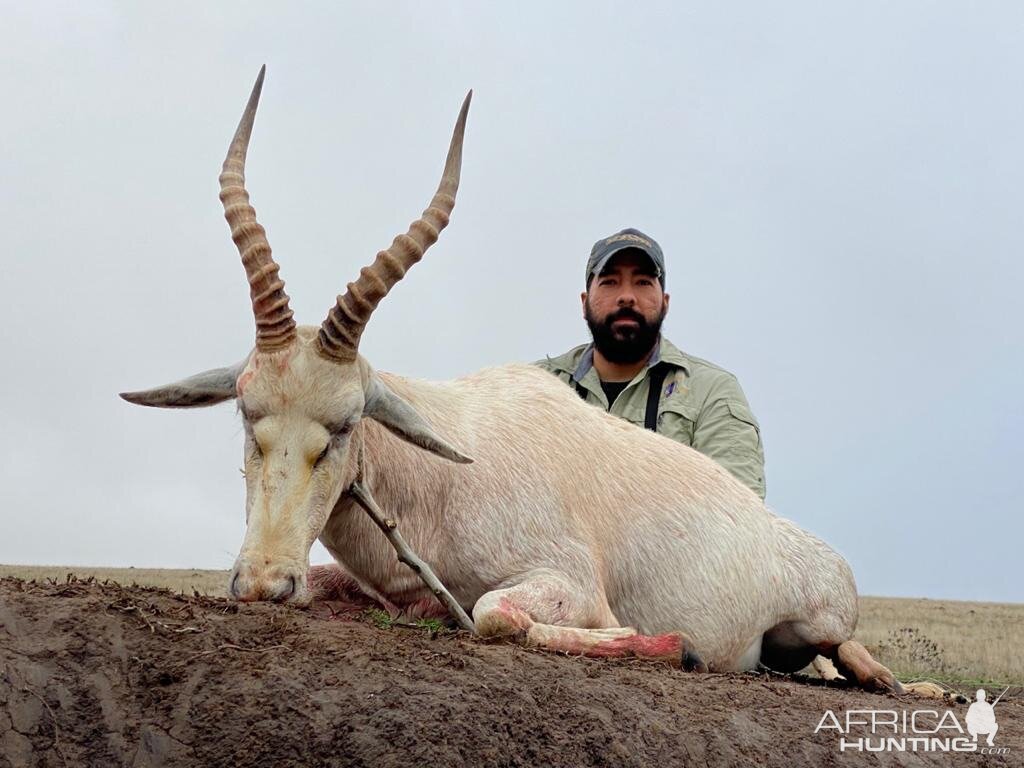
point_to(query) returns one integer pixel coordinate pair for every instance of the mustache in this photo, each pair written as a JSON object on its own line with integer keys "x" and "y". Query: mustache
{"x": 625, "y": 314}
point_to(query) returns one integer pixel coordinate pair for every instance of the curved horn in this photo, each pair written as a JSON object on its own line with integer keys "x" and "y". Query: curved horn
{"x": 275, "y": 328}
{"x": 340, "y": 332}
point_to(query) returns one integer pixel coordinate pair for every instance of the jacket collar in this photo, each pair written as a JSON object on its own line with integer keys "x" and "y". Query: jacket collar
{"x": 579, "y": 361}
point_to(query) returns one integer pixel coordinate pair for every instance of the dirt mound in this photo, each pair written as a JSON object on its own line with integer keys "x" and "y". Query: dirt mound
{"x": 99, "y": 674}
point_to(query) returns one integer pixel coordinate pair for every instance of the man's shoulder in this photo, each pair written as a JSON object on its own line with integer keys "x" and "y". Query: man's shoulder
{"x": 696, "y": 367}
{"x": 564, "y": 363}
{"x": 706, "y": 381}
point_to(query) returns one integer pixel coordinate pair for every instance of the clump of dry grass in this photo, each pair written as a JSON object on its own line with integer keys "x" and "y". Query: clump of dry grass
{"x": 908, "y": 648}
{"x": 949, "y": 640}
{"x": 187, "y": 580}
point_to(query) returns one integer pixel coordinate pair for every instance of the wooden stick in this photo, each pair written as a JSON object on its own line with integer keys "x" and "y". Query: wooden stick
{"x": 407, "y": 556}
{"x": 56, "y": 729}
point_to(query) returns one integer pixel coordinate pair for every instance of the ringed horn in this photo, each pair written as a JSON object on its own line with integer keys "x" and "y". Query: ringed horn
{"x": 340, "y": 332}
{"x": 275, "y": 328}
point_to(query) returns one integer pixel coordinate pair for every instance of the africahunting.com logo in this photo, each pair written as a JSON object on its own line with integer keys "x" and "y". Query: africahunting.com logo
{"x": 917, "y": 730}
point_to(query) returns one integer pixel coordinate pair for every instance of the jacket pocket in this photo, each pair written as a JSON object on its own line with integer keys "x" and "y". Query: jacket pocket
{"x": 743, "y": 413}
{"x": 676, "y": 420}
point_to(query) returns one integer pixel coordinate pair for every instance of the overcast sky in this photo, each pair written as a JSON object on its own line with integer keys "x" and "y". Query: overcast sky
{"x": 837, "y": 189}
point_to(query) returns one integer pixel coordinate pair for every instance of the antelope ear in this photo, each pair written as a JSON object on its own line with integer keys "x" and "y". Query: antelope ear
{"x": 206, "y": 388}
{"x": 398, "y": 416}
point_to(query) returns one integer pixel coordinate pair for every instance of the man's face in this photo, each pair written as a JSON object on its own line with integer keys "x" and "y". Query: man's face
{"x": 624, "y": 308}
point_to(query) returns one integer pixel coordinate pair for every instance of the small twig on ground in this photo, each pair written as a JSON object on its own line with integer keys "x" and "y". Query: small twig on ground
{"x": 179, "y": 630}
{"x": 132, "y": 608}
{"x": 53, "y": 717}
{"x": 230, "y": 647}
{"x": 142, "y": 616}
{"x": 407, "y": 556}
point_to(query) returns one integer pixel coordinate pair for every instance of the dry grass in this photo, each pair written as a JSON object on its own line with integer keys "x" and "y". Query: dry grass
{"x": 939, "y": 639}
{"x": 945, "y": 639}
{"x": 187, "y": 580}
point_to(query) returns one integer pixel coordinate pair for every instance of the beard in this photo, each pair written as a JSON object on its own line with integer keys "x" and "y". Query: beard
{"x": 624, "y": 345}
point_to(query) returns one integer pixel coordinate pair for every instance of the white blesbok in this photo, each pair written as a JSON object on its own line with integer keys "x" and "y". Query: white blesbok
{"x": 569, "y": 530}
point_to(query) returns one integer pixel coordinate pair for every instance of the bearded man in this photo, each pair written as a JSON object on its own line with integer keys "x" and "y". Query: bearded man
{"x": 631, "y": 371}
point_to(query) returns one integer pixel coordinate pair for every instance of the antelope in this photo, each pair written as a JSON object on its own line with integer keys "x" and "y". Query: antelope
{"x": 568, "y": 530}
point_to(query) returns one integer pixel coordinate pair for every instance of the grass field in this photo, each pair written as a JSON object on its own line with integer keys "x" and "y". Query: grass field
{"x": 945, "y": 640}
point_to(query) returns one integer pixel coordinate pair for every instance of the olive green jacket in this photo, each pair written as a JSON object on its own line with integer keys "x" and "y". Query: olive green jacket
{"x": 701, "y": 405}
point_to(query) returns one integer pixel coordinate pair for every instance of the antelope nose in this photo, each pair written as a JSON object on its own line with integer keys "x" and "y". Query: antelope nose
{"x": 281, "y": 590}
{"x": 243, "y": 587}
{"x": 247, "y": 585}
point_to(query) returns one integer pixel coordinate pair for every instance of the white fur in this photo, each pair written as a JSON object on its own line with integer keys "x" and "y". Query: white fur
{"x": 571, "y": 516}
{"x": 651, "y": 533}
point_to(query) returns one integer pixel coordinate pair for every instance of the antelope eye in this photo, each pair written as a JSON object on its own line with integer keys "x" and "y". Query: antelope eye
{"x": 323, "y": 454}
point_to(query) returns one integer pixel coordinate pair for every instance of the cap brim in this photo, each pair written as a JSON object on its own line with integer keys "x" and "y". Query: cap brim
{"x": 618, "y": 248}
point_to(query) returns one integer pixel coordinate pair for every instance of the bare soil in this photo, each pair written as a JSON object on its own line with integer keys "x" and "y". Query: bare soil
{"x": 105, "y": 675}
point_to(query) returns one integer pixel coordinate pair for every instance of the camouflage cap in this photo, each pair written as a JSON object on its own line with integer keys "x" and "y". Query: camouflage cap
{"x": 607, "y": 247}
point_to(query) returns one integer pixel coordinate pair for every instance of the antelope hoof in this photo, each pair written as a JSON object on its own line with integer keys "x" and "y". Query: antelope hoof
{"x": 887, "y": 683}
{"x": 691, "y": 662}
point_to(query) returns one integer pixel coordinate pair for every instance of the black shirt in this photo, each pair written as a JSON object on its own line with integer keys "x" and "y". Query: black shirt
{"x": 613, "y": 389}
